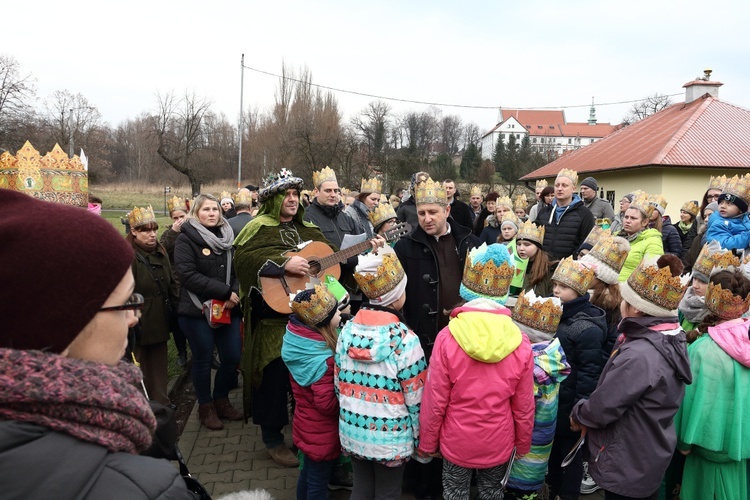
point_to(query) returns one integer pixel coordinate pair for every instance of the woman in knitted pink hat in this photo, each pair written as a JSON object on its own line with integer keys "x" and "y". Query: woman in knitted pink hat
{"x": 72, "y": 418}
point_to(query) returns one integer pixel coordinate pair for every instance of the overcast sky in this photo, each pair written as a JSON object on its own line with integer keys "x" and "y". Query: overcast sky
{"x": 474, "y": 53}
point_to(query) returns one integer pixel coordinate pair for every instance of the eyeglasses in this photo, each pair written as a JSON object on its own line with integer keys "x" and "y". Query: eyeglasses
{"x": 134, "y": 303}
{"x": 713, "y": 196}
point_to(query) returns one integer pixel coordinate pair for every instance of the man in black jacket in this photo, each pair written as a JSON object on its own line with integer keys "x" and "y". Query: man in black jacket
{"x": 460, "y": 211}
{"x": 567, "y": 221}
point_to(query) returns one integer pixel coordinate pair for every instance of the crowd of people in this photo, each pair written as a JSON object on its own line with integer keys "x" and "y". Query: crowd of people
{"x": 509, "y": 345}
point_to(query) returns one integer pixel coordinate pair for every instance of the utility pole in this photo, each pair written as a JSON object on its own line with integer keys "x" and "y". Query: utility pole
{"x": 242, "y": 120}
{"x": 70, "y": 131}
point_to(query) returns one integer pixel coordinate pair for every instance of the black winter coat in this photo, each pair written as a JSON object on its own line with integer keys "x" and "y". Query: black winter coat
{"x": 562, "y": 238}
{"x": 201, "y": 271}
{"x": 583, "y": 335}
{"x": 421, "y": 267}
{"x": 686, "y": 238}
{"x": 407, "y": 212}
{"x": 36, "y": 462}
{"x": 461, "y": 213}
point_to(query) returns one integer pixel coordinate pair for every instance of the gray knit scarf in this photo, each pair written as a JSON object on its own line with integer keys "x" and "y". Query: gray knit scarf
{"x": 217, "y": 244}
{"x": 693, "y": 307}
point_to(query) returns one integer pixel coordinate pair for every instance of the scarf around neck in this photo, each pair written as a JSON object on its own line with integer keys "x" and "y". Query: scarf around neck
{"x": 693, "y": 307}
{"x": 219, "y": 244}
{"x": 90, "y": 401}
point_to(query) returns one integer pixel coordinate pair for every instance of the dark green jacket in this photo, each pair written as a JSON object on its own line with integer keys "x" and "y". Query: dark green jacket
{"x": 154, "y": 323}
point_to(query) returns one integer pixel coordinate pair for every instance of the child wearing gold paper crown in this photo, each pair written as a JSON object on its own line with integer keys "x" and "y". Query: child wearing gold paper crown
{"x": 533, "y": 269}
{"x": 307, "y": 350}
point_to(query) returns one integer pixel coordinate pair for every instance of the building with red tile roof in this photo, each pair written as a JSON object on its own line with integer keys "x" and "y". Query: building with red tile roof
{"x": 672, "y": 152}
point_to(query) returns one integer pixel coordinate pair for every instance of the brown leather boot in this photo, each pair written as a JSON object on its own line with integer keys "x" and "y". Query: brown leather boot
{"x": 225, "y": 410}
{"x": 209, "y": 418}
{"x": 283, "y": 456}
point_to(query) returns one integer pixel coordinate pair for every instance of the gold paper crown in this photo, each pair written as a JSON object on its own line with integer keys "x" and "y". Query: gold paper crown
{"x": 607, "y": 251}
{"x": 724, "y": 303}
{"x": 739, "y": 187}
{"x": 504, "y": 201}
{"x": 317, "y": 308}
{"x": 487, "y": 278}
{"x": 345, "y": 192}
{"x": 520, "y": 202}
{"x": 243, "y": 198}
{"x": 570, "y": 174}
{"x": 511, "y": 217}
{"x": 386, "y": 277}
{"x": 530, "y": 231}
{"x": 225, "y": 194}
{"x": 657, "y": 285}
{"x": 141, "y": 216}
{"x": 642, "y": 203}
{"x": 657, "y": 199}
{"x": 325, "y": 175}
{"x": 717, "y": 182}
{"x": 381, "y": 213}
{"x": 713, "y": 257}
{"x": 176, "y": 203}
{"x": 475, "y": 191}
{"x": 691, "y": 207}
{"x": 52, "y": 177}
{"x": 594, "y": 235}
{"x": 573, "y": 274}
{"x": 373, "y": 185}
{"x": 539, "y": 313}
{"x": 541, "y": 183}
{"x": 430, "y": 191}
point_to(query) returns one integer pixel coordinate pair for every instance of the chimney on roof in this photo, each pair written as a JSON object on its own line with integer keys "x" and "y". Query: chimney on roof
{"x": 701, "y": 86}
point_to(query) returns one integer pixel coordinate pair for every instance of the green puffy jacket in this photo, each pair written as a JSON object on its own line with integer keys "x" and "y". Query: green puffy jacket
{"x": 647, "y": 243}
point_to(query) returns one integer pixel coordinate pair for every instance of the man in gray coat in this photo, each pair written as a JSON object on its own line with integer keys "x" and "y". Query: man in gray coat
{"x": 599, "y": 207}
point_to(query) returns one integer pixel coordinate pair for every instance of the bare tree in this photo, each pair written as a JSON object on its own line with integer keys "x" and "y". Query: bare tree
{"x": 471, "y": 134}
{"x": 451, "y": 131}
{"x": 648, "y": 106}
{"x": 373, "y": 124}
{"x": 17, "y": 93}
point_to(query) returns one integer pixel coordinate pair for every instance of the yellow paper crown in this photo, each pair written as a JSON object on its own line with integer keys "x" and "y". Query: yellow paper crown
{"x": 539, "y": 313}
{"x": 657, "y": 285}
{"x": 509, "y": 217}
{"x": 642, "y": 203}
{"x": 475, "y": 191}
{"x": 430, "y": 191}
{"x": 225, "y": 194}
{"x": 141, "y": 216}
{"x": 345, "y": 192}
{"x": 594, "y": 235}
{"x": 724, "y": 303}
{"x": 373, "y": 185}
{"x": 541, "y": 183}
{"x": 520, "y": 202}
{"x": 739, "y": 186}
{"x": 324, "y": 175}
{"x": 487, "y": 278}
{"x": 573, "y": 274}
{"x": 607, "y": 251}
{"x": 176, "y": 203}
{"x": 570, "y": 174}
{"x": 386, "y": 277}
{"x": 717, "y": 182}
{"x": 691, "y": 207}
{"x": 530, "y": 231}
{"x": 381, "y": 213}
{"x": 658, "y": 200}
{"x": 243, "y": 198}
{"x": 317, "y": 308}
{"x": 711, "y": 257}
{"x": 504, "y": 201}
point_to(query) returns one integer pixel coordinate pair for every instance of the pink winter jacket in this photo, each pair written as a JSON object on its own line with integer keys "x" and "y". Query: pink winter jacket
{"x": 478, "y": 402}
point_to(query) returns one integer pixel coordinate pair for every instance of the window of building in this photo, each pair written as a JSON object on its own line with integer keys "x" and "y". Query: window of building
{"x": 611, "y": 198}
{"x": 518, "y": 136}
{"x": 570, "y": 141}
{"x": 533, "y": 140}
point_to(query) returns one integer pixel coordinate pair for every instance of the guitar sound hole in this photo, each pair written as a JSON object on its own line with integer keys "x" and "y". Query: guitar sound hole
{"x": 314, "y": 268}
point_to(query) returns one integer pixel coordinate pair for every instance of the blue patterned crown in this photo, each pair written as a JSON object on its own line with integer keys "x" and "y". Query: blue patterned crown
{"x": 274, "y": 184}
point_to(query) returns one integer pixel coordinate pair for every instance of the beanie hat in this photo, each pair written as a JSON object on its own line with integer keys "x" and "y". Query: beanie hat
{"x": 66, "y": 263}
{"x": 735, "y": 200}
{"x": 590, "y": 182}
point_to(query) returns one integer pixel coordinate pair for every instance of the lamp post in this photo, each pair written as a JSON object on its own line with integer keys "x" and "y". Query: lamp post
{"x": 167, "y": 189}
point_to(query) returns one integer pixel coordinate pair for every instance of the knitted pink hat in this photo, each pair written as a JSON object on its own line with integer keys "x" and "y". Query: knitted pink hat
{"x": 58, "y": 264}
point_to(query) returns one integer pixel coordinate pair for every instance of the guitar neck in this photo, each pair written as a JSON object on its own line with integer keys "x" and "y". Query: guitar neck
{"x": 341, "y": 255}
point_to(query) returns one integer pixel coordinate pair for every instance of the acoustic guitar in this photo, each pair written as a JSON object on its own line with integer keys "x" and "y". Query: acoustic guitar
{"x": 323, "y": 260}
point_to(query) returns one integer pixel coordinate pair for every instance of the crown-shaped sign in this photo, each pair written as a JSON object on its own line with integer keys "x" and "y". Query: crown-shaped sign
{"x": 530, "y": 231}
{"x": 386, "y": 277}
{"x": 713, "y": 257}
{"x": 573, "y": 274}
{"x": 509, "y": 217}
{"x": 504, "y": 201}
{"x": 475, "y": 191}
{"x": 276, "y": 183}
{"x": 381, "y": 213}
{"x": 570, "y": 174}
{"x": 320, "y": 304}
{"x": 373, "y": 185}
{"x": 141, "y": 216}
{"x": 717, "y": 182}
{"x": 539, "y": 313}
{"x": 520, "y": 202}
{"x": 658, "y": 201}
{"x": 608, "y": 252}
{"x": 430, "y": 191}
{"x": 484, "y": 276}
{"x": 657, "y": 285}
{"x": 324, "y": 175}
{"x": 176, "y": 203}
{"x": 594, "y": 235}
{"x": 243, "y": 197}
{"x": 691, "y": 207}
{"x": 739, "y": 186}
{"x": 642, "y": 203}
{"x": 53, "y": 177}
{"x": 724, "y": 304}
{"x": 541, "y": 184}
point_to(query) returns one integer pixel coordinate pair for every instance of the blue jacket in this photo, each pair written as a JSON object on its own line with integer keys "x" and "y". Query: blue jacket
{"x": 730, "y": 233}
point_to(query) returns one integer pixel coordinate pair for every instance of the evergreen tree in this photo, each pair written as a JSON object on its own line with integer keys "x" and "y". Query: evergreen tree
{"x": 498, "y": 155}
{"x": 470, "y": 163}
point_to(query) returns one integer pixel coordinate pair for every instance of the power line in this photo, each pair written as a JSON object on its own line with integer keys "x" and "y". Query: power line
{"x": 446, "y": 105}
